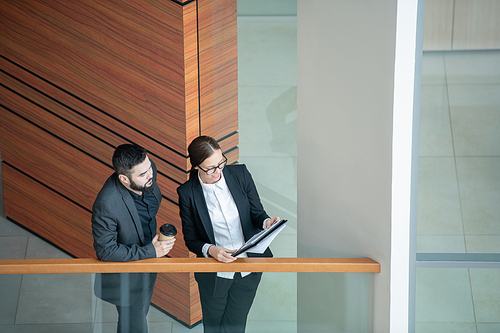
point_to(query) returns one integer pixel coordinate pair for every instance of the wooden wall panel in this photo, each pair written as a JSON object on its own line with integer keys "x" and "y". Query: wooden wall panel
{"x": 46, "y": 213}
{"x": 438, "y": 25}
{"x": 35, "y": 108}
{"x": 80, "y": 77}
{"x": 181, "y": 291}
{"x": 124, "y": 58}
{"x": 87, "y": 117}
{"x": 218, "y": 67}
{"x": 42, "y": 156}
{"x": 476, "y": 25}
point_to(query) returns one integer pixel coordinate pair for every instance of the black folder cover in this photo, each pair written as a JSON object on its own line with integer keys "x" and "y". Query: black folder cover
{"x": 257, "y": 238}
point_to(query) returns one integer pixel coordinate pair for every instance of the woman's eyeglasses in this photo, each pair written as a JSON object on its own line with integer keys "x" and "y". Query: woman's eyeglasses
{"x": 212, "y": 170}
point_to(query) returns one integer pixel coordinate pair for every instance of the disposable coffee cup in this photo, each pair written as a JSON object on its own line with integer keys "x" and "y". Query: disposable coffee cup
{"x": 167, "y": 231}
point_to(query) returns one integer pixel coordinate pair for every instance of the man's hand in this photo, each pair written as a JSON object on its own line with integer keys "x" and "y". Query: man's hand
{"x": 163, "y": 247}
{"x": 221, "y": 254}
{"x": 270, "y": 222}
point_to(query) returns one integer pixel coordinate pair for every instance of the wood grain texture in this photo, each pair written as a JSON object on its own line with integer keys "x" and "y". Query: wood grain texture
{"x": 180, "y": 292}
{"x": 88, "y": 118}
{"x": 67, "y": 125}
{"x": 125, "y": 58}
{"x": 52, "y": 162}
{"x": 218, "y": 67}
{"x": 476, "y": 25}
{"x": 185, "y": 265}
{"x": 192, "y": 100}
{"x": 46, "y": 213}
{"x": 438, "y": 25}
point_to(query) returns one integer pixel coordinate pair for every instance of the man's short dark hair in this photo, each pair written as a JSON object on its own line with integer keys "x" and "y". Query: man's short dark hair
{"x": 126, "y": 157}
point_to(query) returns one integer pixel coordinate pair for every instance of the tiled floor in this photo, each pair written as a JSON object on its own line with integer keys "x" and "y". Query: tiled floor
{"x": 459, "y": 189}
{"x": 458, "y": 210}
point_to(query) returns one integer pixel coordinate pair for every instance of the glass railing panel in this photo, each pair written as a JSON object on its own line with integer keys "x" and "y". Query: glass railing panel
{"x": 285, "y": 302}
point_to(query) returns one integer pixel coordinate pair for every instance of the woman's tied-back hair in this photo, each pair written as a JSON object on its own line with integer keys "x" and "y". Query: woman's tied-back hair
{"x": 126, "y": 157}
{"x": 199, "y": 150}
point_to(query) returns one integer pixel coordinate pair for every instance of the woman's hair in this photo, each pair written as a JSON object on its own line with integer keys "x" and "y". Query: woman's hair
{"x": 199, "y": 150}
{"x": 126, "y": 157}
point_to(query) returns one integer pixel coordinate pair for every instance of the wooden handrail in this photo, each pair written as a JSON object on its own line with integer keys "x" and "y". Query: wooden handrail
{"x": 185, "y": 265}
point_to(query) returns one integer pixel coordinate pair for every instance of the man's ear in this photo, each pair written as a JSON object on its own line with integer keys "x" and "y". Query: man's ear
{"x": 124, "y": 179}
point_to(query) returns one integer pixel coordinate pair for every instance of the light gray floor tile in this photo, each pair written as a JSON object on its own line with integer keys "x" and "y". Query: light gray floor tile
{"x": 13, "y": 247}
{"x": 60, "y": 298}
{"x": 104, "y": 312}
{"x": 272, "y": 327}
{"x": 267, "y": 52}
{"x": 276, "y": 298}
{"x": 488, "y": 327}
{"x": 479, "y": 182}
{"x": 433, "y": 72}
{"x": 445, "y": 327}
{"x": 440, "y": 244}
{"x": 160, "y": 327}
{"x": 476, "y": 67}
{"x": 179, "y": 328}
{"x": 157, "y": 315}
{"x": 435, "y": 127}
{"x": 475, "y": 119}
{"x": 483, "y": 243}
{"x": 10, "y": 286}
{"x": 8, "y": 228}
{"x": 39, "y": 249}
{"x": 444, "y": 295}
{"x": 486, "y": 293}
{"x": 48, "y": 328}
{"x": 104, "y": 327}
{"x": 438, "y": 200}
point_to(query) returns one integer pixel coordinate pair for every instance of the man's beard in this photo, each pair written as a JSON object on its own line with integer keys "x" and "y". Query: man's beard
{"x": 143, "y": 189}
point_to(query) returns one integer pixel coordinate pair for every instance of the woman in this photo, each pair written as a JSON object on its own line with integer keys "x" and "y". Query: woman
{"x": 220, "y": 210}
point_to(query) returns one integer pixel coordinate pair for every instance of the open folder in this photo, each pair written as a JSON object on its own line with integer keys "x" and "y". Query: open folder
{"x": 259, "y": 242}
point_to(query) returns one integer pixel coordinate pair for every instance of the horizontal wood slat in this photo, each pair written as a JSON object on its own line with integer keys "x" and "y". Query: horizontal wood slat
{"x": 176, "y": 265}
{"x": 180, "y": 292}
{"x": 218, "y": 67}
{"x": 123, "y": 57}
{"x": 54, "y": 163}
{"x": 47, "y": 214}
{"x": 26, "y": 88}
{"x": 22, "y": 148}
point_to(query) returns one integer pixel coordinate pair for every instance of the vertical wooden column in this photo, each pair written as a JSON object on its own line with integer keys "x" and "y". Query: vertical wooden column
{"x": 80, "y": 77}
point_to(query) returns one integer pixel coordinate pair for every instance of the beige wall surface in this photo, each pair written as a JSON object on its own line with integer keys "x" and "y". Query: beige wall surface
{"x": 345, "y": 77}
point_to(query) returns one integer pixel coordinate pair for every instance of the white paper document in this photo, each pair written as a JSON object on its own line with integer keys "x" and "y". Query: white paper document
{"x": 260, "y": 241}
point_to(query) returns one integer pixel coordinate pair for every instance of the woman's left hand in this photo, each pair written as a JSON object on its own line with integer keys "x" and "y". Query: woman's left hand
{"x": 270, "y": 222}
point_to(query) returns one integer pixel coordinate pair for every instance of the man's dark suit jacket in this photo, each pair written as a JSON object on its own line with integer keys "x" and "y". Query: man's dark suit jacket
{"x": 196, "y": 225}
{"x": 118, "y": 236}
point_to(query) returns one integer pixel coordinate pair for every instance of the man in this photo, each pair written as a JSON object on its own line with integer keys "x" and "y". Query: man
{"x": 124, "y": 228}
